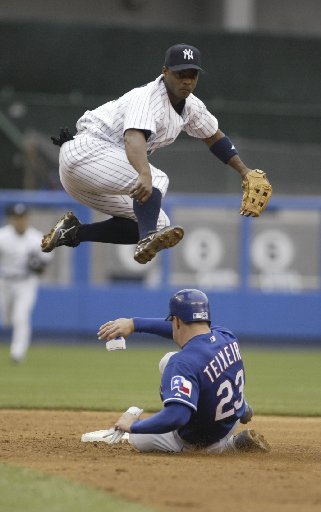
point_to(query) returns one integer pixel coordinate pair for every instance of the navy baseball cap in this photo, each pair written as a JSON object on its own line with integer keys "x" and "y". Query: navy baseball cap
{"x": 183, "y": 56}
{"x": 190, "y": 305}
{"x": 17, "y": 209}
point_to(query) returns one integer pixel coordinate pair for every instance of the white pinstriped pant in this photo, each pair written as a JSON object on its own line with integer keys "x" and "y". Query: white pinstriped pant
{"x": 98, "y": 174}
{"x": 17, "y": 300}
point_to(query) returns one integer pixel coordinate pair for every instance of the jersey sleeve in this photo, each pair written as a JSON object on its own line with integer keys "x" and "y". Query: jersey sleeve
{"x": 168, "y": 419}
{"x": 179, "y": 384}
{"x": 201, "y": 124}
{"x": 140, "y": 113}
{"x": 157, "y": 326}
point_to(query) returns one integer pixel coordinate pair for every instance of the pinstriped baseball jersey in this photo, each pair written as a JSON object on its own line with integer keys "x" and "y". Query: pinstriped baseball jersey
{"x": 149, "y": 108}
{"x": 94, "y": 167}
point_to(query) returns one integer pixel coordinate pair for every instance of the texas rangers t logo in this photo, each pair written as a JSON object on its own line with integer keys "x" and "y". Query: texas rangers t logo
{"x": 184, "y": 386}
{"x": 188, "y": 54}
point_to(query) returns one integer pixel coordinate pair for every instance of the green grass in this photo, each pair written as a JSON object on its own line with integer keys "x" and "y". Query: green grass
{"x": 284, "y": 382}
{"x": 88, "y": 377}
{"x": 81, "y": 377}
{"x": 26, "y": 490}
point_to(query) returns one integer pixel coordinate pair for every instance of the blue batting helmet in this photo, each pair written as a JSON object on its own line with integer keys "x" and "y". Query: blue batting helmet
{"x": 190, "y": 305}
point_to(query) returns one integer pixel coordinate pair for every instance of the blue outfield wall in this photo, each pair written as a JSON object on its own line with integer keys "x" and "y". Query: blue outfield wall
{"x": 81, "y": 306}
{"x": 82, "y": 309}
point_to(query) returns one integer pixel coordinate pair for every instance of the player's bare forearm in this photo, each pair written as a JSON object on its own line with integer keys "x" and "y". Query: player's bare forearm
{"x": 236, "y": 163}
{"x": 136, "y": 152}
{"x": 113, "y": 328}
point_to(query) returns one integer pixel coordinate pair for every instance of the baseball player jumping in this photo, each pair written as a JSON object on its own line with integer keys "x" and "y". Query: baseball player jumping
{"x": 105, "y": 165}
{"x": 202, "y": 386}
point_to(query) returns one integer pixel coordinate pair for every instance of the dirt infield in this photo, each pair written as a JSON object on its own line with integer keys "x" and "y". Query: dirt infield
{"x": 288, "y": 479}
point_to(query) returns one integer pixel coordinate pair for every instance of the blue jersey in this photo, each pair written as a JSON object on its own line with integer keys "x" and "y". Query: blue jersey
{"x": 207, "y": 375}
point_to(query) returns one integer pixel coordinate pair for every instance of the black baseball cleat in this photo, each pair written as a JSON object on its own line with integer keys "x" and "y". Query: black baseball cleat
{"x": 65, "y": 232}
{"x": 250, "y": 441}
{"x": 148, "y": 247}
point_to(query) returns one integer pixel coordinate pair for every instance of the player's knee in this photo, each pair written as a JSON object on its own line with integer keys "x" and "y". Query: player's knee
{"x": 163, "y": 362}
{"x": 166, "y": 183}
{"x": 139, "y": 442}
{"x": 161, "y": 181}
{"x": 163, "y": 220}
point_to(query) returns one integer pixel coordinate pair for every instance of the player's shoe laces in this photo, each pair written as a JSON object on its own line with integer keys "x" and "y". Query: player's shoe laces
{"x": 148, "y": 247}
{"x": 65, "y": 232}
{"x": 250, "y": 441}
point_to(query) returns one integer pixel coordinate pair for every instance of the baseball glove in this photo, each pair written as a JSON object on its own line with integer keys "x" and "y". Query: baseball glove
{"x": 35, "y": 265}
{"x": 64, "y": 136}
{"x": 256, "y": 193}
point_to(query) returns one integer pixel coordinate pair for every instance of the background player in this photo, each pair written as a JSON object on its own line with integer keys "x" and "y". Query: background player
{"x": 202, "y": 386}
{"x": 21, "y": 263}
{"x": 105, "y": 166}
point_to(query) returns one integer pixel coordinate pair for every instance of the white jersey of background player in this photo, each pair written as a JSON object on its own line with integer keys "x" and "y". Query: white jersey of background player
{"x": 105, "y": 166}
{"x": 21, "y": 262}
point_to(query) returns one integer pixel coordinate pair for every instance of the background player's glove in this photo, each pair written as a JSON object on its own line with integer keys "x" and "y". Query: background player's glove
{"x": 64, "y": 136}
{"x": 35, "y": 264}
{"x": 256, "y": 193}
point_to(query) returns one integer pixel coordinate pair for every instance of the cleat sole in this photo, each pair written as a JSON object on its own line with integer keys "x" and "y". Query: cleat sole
{"x": 165, "y": 240}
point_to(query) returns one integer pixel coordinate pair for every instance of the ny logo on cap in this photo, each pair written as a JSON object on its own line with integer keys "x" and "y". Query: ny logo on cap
{"x": 188, "y": 54}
